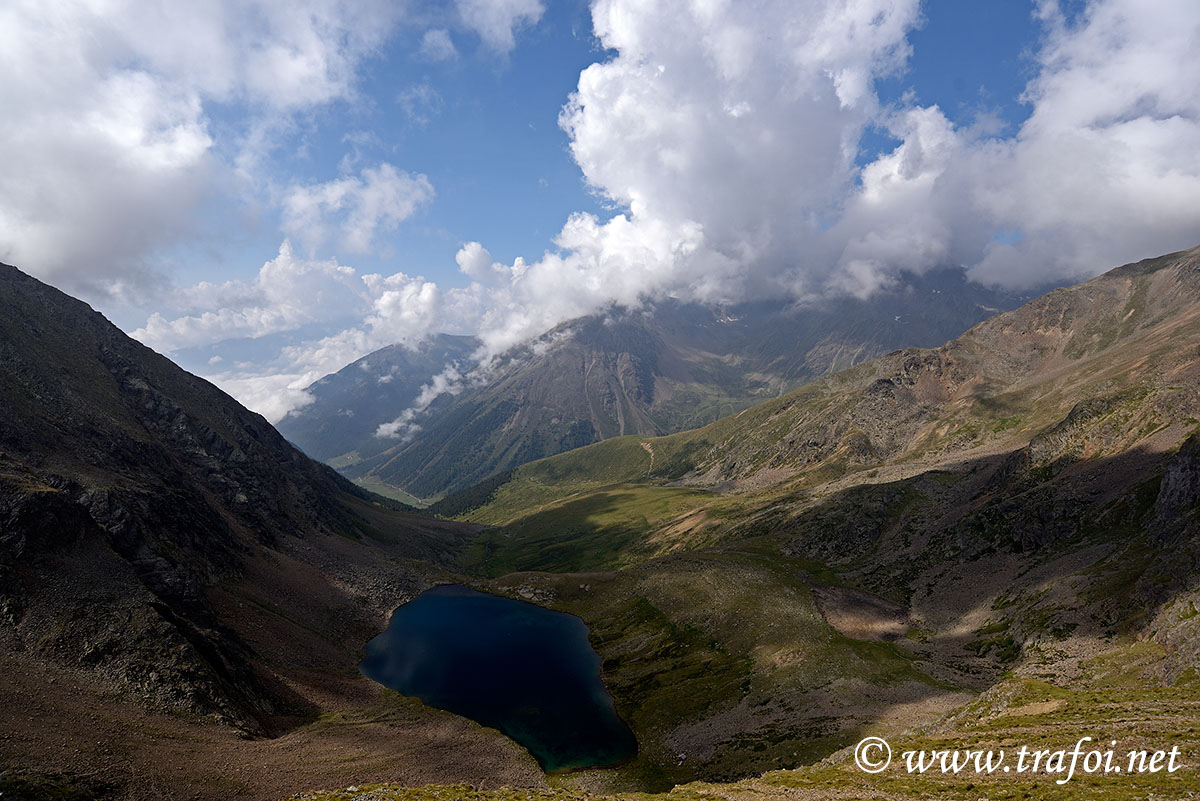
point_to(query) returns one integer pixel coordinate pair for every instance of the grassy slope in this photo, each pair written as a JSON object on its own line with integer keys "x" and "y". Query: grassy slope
{"x": 993, "y": 390}
{"x": 722, "y": 663}
{"x": 1113, "y": 699}
{"x": 651, "y": 372}
{"x": 1005, "y": 493}
{"x": 725, "y": 664}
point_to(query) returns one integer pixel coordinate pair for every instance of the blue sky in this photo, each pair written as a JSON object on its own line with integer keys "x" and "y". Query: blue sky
{"x": 969, "y": 58}
{"x": 482, "y": 126}
{"x": 484, "y": 129}
{"x": 267, "y": 190}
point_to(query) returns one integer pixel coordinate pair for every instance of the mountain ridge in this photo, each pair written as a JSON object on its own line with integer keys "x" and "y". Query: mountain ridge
{"x": 119, "y": 446}
{"x": 1015, "y": 514}
{"x": 169, "y": 563}
{"x": 349, "y": 405}
{"x": 656, "y": 370}
{"x": 1012, "y": 347}
{"x": 923, "y": 547}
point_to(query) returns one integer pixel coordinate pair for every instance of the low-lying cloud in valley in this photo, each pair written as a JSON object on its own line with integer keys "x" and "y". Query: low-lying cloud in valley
{"x": 725, "y": 135}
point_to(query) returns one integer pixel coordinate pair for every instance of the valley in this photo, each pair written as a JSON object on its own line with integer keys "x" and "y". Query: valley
{"x": 605, "y": 400}
{"x": 1011, "y": 513}
{"x": 666, "y": 367}
{"x": 184, "y": 596}
{"x": 992, "y": 542}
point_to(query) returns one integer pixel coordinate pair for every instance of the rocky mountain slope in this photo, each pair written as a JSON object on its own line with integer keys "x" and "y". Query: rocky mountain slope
{"x": 653, "y": 371}
{"x": 987, "y": 544}
{"x": 1015, "y": 513}
{"x": 349, "y": 405}
{"x": 166, "y": 556}
{"x": 1081, "y": 373}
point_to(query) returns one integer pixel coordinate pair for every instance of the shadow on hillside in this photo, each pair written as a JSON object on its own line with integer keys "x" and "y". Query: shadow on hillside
{"x": 596, "y": 532}
{"x": 992, "y": 563}
{"x": 999, "y": 563}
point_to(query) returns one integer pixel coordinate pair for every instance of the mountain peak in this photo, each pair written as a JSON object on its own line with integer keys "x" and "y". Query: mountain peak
{"x": 147, "y": 486}
{"x": 656, "y": 369}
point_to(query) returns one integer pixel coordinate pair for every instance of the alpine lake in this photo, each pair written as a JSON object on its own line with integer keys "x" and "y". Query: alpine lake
{"x": 527, "y": 671}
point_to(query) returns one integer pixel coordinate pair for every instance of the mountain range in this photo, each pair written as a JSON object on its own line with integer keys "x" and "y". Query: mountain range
{"x": 656, "y": 370}
{"x": 968, "y": 535}
{"x": 985, "y": 544}
{"x": 176, "y": 579}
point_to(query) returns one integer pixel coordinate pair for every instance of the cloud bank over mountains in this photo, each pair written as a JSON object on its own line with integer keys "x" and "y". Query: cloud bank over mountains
{"x": 725, "y": 135}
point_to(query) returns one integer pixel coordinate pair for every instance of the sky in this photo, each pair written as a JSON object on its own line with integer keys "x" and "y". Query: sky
{"x": 267, "y": 190}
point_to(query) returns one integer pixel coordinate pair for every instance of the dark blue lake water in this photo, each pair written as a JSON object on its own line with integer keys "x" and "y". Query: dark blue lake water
{"x": 527, "y": 671}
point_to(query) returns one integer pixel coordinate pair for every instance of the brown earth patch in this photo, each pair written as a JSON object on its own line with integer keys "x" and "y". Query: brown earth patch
{"x": 861, "y": 615}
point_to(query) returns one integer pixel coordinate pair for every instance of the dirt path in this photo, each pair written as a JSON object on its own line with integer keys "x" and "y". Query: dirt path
{"x": 648, "y": 448}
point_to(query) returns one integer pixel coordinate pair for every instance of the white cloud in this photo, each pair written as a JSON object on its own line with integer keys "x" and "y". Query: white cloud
{"x": 897, "y": 219}
{"x": 287, "y": 293}
{"x": 272, "y": 396}
{"x": 740, "y": 121}
{"x": 448, "y": 381}
{"x": 475, "y": 262}
{"x": 726, "y": 135}
{"x": 357, "y": 208}
{"x": 1105, "y": 170}
{"x": 436, "y": 45}
{"x": 497, "y": 21}
{"x": 292, "y": 293}
{"x": 741, "y": 124}
{"x": 110, "y": 149}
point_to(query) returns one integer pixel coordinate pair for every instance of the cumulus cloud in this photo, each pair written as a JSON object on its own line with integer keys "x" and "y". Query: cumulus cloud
{"x": 287, "y": 293}
{"x": 497, "y": 21}
{"x": 737, "y": 121}
{"x": 741, "y": 124}
{"x": 272, "y": 396}
{"x": 291, "y": 293}
{"x": 1105, "y": 170}
{"x": 737, "y": 128}
{"x": 436, "y": 45}
{"x": 111, "y": 151}
{"x": 355, "y": 207}
{"x": 726, "y": 138}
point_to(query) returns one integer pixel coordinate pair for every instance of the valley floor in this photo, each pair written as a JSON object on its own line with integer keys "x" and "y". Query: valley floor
{"x": 991, "y": 545}
{"x": 1111, "y": 705}
{"x": 56, "y": 722}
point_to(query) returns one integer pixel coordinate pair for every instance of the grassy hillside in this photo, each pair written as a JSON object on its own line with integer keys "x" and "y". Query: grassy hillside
{"x": 1014, "y": 510}
{"x": 1086, "y": 371}
{"x": 651, "y": 371}
{"x": 1112, "y": 700}
{"x": 993, "y": 543}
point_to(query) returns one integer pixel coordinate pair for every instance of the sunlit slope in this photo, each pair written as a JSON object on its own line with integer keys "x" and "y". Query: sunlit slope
{"x": 992, "y": 540}
{"x": 1104, "y": 368}
{"x": 667, "y": 367}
